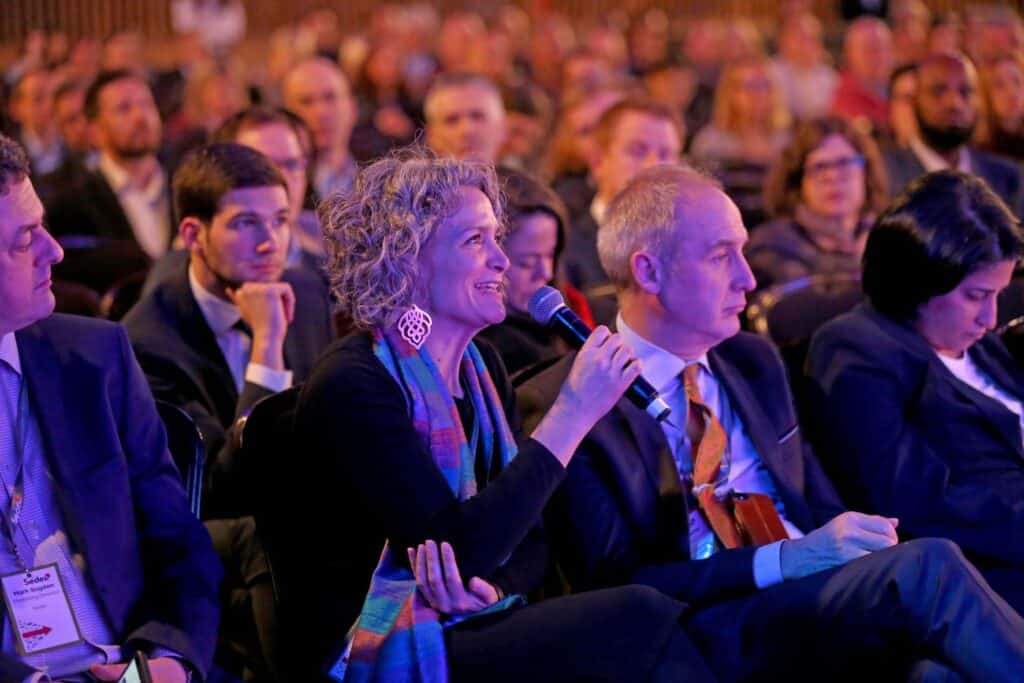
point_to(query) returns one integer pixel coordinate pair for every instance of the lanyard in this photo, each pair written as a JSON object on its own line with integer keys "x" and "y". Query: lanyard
{"x": 17, "y": 492}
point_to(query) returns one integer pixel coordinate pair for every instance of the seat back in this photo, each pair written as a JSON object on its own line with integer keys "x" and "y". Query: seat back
{"x": 122, "y": 295}
{"x": 267, "y": 446}
{"x": 76, "y": 299}
{"x": 185, "y": 442}
{"x": 790, "y": 313}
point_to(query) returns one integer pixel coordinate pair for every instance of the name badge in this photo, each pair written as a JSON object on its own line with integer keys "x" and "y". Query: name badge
{"x": 39, "y": 609}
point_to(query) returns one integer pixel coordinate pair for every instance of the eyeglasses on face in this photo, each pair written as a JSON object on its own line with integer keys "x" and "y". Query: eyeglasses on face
{"x": 842, "y": 165}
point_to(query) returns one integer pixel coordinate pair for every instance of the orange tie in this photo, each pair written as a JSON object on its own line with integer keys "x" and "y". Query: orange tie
{"x": 744, "y": 519}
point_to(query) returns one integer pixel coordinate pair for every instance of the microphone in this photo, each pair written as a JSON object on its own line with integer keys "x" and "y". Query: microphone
{"x": 548, "y": 308}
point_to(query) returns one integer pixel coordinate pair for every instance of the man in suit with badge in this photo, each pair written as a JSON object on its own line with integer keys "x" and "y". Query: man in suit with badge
{"x": 723, "y": 506}
{"x": 100, "y": 555}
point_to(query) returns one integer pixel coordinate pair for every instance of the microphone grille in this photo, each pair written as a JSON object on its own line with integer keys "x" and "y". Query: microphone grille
{"x": 544, "y": 302}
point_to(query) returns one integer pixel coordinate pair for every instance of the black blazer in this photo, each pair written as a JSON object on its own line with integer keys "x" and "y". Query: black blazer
{"x": 366, "y": 476}
{"x": 905, "y": 438}
{"x": 87, "y": 206}
{"x": 151, "y": 565}
{"x": 185, "y": 366}
{"x": 1001, "y": 174}
{"x": 620, "y": 518}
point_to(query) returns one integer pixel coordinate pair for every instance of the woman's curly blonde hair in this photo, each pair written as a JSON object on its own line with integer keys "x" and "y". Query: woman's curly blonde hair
{"x": 374, "y": 233}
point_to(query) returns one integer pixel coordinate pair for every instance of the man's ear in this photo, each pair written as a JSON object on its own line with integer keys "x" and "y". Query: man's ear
{"x": 647, "y": 271}
{"x": 188, "y": 230}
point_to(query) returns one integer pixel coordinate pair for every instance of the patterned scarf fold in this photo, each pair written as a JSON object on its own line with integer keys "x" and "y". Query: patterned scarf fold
{"x": 398, "y": 637}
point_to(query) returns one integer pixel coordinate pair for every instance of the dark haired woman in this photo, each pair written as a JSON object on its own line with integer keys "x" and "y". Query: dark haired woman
{"x": 916, "y": 406}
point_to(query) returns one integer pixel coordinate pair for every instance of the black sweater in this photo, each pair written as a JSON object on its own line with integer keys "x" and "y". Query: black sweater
{"x": 366, "y": 476}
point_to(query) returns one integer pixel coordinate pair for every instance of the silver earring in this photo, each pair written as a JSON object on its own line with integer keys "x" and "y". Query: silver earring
{"x": 414, "y": 326}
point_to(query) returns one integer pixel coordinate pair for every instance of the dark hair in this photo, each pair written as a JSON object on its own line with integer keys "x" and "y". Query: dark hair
{"x": 525, "y": 194}
{"x": 784, "y": 183}
{"x": 14, "y": 165}
{"x": 261, "y": 115}
{"x": 945, "y": 226}
{"x": 210, "y": 172}
{"x": 102, "y": 80}
{"x": 69, "y": 86}
{"x": 899, "y": 72}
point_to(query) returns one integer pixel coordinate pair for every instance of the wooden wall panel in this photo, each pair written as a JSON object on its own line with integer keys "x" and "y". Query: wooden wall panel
{"x": 152, "y": 17}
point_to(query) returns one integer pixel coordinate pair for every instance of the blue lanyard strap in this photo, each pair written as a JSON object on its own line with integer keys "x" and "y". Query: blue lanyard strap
{"x": 16, "y": 493}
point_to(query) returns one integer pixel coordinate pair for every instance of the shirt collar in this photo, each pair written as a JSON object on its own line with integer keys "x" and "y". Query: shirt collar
{"x": 119, "y": 180}
{"x": 598, "y": 209}
{"x": 9, "y": 351}
{"x": 661, "y": 368}
{"x": 220, "y": 315}
{"x": 931, "y": 160}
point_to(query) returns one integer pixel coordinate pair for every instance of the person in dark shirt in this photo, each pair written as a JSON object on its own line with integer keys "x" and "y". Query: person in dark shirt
{"x": 406, "y": 430}
{"x": 534, "y": 241}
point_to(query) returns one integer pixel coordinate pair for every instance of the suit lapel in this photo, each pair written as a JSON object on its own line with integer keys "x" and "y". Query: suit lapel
{"x": 1004, "y": 422}
{"x": 110, "y": 215}
{"x": 50, "y": 394}
{"x": 659, "y": 481}
{"x": 186, "y": 317}
{"x": 744, "y": 402}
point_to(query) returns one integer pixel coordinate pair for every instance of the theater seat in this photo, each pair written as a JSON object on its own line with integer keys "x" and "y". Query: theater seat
{"x": 268, "y": 449}
{"x": 789, "y": 314}
{"x": 185, "y": 443}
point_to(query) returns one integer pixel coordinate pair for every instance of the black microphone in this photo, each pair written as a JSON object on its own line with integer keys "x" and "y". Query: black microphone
{"x": 548, "y": 308}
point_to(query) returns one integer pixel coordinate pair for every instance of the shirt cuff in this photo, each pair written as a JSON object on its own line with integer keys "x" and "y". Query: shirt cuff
{"x": 158, "y": 651}
{"x": 275, "y": 380}
{"x": 768, "y": 565}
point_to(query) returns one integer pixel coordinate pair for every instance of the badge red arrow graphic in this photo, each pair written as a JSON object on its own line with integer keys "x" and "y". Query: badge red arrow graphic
{"x": 38, "y": 632}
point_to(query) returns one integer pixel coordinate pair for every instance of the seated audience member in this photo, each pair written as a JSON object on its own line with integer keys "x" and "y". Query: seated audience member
{"x": 534, "y": 240}
{"x": 824, "y": 191}
{"x": 407, "y": 431}
{"x": 802, "y": 68}
{"x": 69, "y": 114}
{"x": 916, "y": 402}
{"x": 571, "y": 148}
{"x": 89, "y": 489}
{"x": 226, "y": 324}
{"x": 465, "y": 117}
{"x": 723, "y": 506}
{"x": 31, "y": 109}
{"x": 947, "y": 113}
{"x": 222, "y": 326}
{"x": 280, "y": 135}
{"x": 632, "y": 135}
{"x": 317, "y": 90}
{"x": 125, "y": 198}
{"x": 902, "y": 117}
{"x": 1002, "y": 84}
{"x": 749, "y": 128}
{"x": 864, "y": 78}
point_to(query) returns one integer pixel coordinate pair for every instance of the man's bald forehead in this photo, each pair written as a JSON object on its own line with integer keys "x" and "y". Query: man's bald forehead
{"x": 316, "y": 66}
{"x": 945, "y": 61}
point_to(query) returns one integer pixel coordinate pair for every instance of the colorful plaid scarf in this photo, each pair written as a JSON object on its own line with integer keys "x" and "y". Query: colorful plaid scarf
{"x": 398, "y": 636}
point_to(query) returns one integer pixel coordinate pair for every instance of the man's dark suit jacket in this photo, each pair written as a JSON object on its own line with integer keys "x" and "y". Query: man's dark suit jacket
{"x": 150, "y": 562}
{"x": 1001, "y": 174}
{"x": 619, "y": 516}
{"x": 185, "y": 366}
{"x": 908, "y": 439}
{"x": 88, "y": 208}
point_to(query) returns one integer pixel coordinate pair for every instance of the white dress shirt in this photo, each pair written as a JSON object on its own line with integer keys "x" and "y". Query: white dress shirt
{"x": 236, "y": 346}
{"x": 741, "y": 470}
{"x": 147, "y": 208}
{"x": 967, "y": 371}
